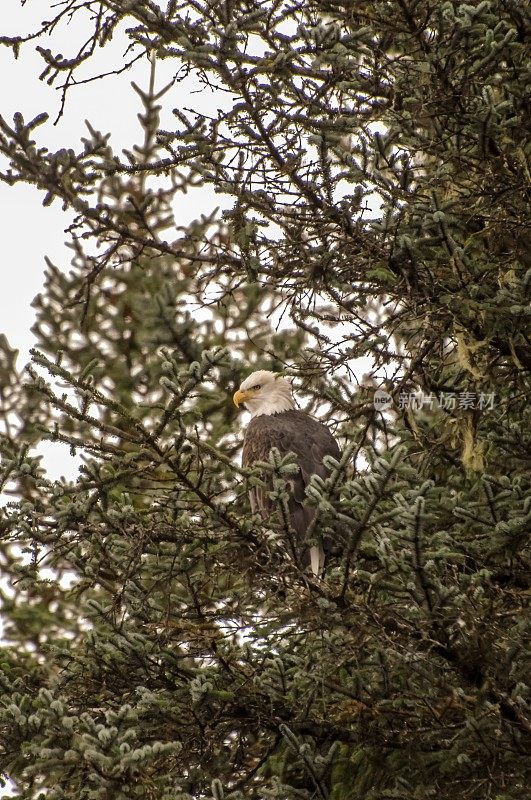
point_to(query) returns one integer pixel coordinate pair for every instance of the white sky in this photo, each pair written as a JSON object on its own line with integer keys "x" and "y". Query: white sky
{"x": 30, "y": 231}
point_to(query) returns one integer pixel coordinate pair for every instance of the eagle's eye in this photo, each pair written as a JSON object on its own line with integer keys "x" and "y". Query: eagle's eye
{"x": 255, "y": 388}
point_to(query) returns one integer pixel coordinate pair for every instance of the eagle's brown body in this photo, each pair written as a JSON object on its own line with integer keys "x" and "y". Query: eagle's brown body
{"x": 290, "y": 431}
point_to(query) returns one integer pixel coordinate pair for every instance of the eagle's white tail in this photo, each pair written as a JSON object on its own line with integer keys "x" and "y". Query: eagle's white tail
{"x": 317, "y": 559}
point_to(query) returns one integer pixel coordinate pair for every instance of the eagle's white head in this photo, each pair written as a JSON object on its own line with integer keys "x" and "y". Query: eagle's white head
{"x": 264, "y": 392}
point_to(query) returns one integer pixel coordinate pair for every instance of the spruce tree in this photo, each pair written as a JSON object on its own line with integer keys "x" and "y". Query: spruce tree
{"x": 373, "y": 167}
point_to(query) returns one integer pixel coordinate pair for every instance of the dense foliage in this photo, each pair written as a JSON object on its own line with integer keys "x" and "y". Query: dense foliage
{"x": 372, "y": 161}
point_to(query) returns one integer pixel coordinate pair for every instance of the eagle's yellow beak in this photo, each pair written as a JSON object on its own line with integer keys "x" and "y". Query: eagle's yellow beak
{"x": 240, "y": 397}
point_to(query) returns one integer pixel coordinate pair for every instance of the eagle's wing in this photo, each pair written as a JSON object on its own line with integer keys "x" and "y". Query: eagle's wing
{"x": 311, "y": 441}
{"x": 316, "y": 443}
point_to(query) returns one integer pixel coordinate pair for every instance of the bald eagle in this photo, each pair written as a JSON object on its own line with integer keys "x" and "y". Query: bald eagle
{"x": 275, "y": 422}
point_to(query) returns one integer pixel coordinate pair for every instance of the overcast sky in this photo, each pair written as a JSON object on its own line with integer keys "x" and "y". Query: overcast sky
{"x": 30, "y": 231}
